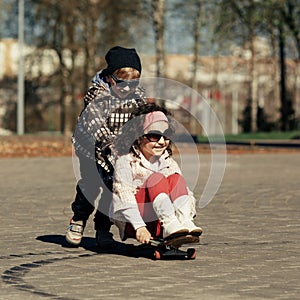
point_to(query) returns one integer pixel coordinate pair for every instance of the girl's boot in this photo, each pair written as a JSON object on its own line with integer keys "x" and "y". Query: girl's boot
{"x": 184, "y": 213}
{"x": 164, "y": 209}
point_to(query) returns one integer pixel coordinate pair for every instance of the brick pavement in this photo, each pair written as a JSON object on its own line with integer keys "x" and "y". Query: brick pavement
{"x": 249, "y": 249}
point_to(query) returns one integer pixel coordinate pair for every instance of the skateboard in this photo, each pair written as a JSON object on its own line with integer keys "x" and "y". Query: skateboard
{"x": 160, "y": 249}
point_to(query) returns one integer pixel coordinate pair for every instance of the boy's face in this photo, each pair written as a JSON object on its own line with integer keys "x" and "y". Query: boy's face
{"x": 124, "y": 81}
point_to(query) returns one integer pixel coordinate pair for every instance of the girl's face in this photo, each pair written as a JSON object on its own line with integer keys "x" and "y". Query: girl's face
{"x": 154, "y": 145}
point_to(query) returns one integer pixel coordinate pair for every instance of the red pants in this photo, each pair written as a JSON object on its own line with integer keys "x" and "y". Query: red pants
{"x": 157, "y": 183}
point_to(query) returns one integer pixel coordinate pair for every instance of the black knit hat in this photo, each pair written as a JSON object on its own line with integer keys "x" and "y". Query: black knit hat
{"x": 119, "y": 57}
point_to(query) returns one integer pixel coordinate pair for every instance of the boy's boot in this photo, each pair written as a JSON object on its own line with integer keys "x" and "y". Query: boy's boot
{"x": 165, "y": 212}
{"x": 75, "y": 232}
{"x": 104, "y": 238}
{"x": 184, "y": 213}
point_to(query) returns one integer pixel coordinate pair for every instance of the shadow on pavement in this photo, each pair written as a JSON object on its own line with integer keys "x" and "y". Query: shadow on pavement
{"x": 89, "y": 244}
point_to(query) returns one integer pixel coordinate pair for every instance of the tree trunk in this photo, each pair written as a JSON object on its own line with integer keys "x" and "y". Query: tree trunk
{"x": 194, "y": 81}
{"x": 158, "y": 15}
{"x": 283, "y": 98}
{"x": 62, "y": 108}
{"x": 253, "y": 85}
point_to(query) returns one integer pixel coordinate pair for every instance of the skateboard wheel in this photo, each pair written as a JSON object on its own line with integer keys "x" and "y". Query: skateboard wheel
{"x": 191, "y": 252}
{"x": 157, "y": 254}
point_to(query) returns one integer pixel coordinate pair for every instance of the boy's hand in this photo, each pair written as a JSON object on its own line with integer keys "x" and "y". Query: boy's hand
{"x": 143, "y": 235}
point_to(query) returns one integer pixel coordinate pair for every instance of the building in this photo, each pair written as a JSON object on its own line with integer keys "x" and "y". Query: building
{"x": 224, "y": 82}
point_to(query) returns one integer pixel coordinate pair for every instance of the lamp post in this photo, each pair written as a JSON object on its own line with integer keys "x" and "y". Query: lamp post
{"x": 20, "y": 104}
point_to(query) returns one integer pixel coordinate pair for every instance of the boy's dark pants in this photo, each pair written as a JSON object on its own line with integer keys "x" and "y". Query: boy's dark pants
{"x": 87, "y": 191}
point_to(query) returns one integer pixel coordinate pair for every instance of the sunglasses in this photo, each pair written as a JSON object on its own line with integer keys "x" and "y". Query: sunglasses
{"x": 155, "y": 136}
{"x": 132, "y": 84}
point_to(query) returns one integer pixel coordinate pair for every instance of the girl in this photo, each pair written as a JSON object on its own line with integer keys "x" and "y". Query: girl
{"x": 151, "y": 199}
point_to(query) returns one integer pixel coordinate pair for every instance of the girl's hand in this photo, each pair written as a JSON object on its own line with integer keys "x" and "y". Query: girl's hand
{"x": 143, "y": 235}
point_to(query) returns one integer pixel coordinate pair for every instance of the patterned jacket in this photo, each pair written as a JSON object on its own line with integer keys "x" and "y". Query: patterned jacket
{"x": 100, "y": 121}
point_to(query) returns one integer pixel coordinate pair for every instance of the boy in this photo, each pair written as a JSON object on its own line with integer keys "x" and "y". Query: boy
{"x": 108, "y": 103}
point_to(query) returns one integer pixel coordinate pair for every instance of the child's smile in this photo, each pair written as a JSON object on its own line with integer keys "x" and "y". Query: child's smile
{"x": 150, "y": 149}
{"x": 155, "y": 144}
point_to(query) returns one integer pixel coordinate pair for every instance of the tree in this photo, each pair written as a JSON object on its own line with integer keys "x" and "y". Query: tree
{"x": 193, "y": 11}
{"x": 290, "y": 11}
{"x": 9, "y": 26}
{"x": 158, "y": 18}
{"x": 196, "y": 48}
{"x": 241, "y": 18}
{"x": 80, "y": 32}
{"x": 281, "y": 20}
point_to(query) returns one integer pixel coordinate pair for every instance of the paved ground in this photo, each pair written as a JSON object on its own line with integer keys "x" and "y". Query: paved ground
{"x": 249, "y": 250}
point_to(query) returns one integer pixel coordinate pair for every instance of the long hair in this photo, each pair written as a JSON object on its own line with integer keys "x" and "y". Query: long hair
{"x": 128, "y": 138}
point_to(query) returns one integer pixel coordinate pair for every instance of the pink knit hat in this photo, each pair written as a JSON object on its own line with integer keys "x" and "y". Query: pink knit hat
{"x": 154, "y": 117}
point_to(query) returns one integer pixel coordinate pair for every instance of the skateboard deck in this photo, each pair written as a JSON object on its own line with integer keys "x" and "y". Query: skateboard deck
{"x": 159, "y": 249}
